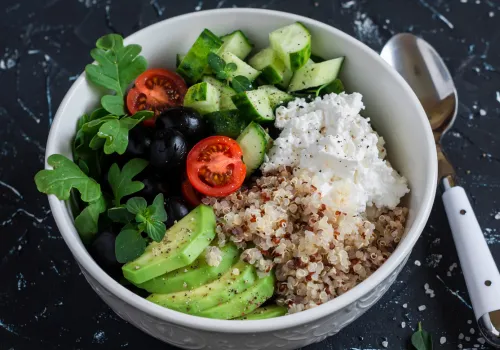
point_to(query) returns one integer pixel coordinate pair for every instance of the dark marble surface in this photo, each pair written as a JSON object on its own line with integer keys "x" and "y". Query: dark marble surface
{"x": 45, "y": 303}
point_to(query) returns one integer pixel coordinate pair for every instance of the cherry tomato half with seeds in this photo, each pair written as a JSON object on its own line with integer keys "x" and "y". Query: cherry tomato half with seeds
{"x": 215, "y": 166}
{"x": 156, "y": 90}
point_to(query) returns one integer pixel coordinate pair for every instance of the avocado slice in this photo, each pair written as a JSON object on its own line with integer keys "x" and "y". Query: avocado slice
{"x": 193, "y": 276}
{"x": 182, "y": 245}
{"x": 215, "y": 293}
{"x": 245, "y": 302}
{"x": 264, "y": 312}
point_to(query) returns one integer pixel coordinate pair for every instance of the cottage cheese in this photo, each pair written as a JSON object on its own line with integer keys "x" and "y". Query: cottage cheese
{"x": 329, "y": 140}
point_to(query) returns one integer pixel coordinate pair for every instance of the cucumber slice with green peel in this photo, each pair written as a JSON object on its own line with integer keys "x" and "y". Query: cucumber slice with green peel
{"x": 245, "y": 302}
{"x": 265, "y": 312}
{"x": 192, "y": 67}
{"x": 254, "y": 105}
{"x": 226, "y": 123}
{"x": 182, "y": 245}
{"x": 316, "y": 74}
{"x": 193, "y": 276}
{"x": 254, "y": 142}
{"x": 202, "y": 97}
{"x": 242, "y": 68}
{"x": 226, "y": 92}
{"x": 236, "y": 43}
{"x": 220, "y": 291}
{"x": 293, "y": 45}
{"x": 276, "y": 96}
{"x": 316, "y": 58}
{"x": 178, "y": 58}
{"x": 273, "y": 69}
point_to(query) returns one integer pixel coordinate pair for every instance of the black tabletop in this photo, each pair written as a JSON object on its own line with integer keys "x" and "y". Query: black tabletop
{"x": 45, "y": 303}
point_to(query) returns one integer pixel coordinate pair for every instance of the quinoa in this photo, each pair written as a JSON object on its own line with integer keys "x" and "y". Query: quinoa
{"x": 317, "y": 253}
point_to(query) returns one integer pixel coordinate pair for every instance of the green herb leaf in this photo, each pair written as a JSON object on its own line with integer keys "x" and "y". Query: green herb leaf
{"x": 116, "y": 134}
{"x": 158, "y": 208}
{"x": 155, "y": 229}
{"x": 221, "y": 75}
{"x": 92, "y": 127}
{"x": 86, "y": 222}
{"x": 230, "y": 67}
{"x": 98, "y": 114}
{"x": 121, "y": 181}
{"x": 136, "y": 205}
{"x": 241, "y": 83}
{"x": 129, "y": 245}
{"x": 121, "y": 215}
{"x": 117, "y": 66}
{"x": 143, "y": 115}
{"x": 65, "y": 176}
{"x": 96, "y": 143}
{"x": 421, "y": 339}
{"x": 216, "y": 63}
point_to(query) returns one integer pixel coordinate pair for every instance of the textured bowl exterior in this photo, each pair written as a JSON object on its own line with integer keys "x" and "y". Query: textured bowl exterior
{"x": 291, "y": 338}
{"x": 395, "y": 113}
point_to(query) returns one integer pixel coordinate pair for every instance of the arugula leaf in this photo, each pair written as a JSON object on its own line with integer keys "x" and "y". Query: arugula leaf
{"x": 92, "y": 127}
{"x": 115, "y": 132}
{"x": 241, "y": 83}
{"x": 136, "y": 205}
{"x": 421, "y": 339}
{"x": 86, "y": 222}
{"x": 117, "y": 66}
{"x": 121, "y": 181}
{"x": 65, "y": 176}
{"x": 82, "y": 152}
{"x": 120, "y": 214}
{"x": 129, "y": 245}
{"x": 98, "y": 114}
{"x": 143, "y": 115}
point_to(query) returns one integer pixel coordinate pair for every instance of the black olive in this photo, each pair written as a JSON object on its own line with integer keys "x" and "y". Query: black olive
{"x": 153, "y": 185}
{"x": 186, "y": 120}
{"x": 139, "y": 141}
{"x": 176, "y": 209}
{"x": 168, "y": 149}
{"x": 103, "y": 252}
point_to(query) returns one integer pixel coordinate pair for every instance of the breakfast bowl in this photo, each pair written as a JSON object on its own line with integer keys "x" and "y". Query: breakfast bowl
{"x": 395, "y": 113}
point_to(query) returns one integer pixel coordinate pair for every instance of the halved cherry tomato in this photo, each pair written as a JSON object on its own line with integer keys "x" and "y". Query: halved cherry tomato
{"x": 156, "y": 90}
{"x": 215, "y": 167}
{"x": 190, "y": 194}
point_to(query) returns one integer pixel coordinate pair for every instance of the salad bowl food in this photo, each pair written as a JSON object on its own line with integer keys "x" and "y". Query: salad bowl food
{"x": 316, "y": 227}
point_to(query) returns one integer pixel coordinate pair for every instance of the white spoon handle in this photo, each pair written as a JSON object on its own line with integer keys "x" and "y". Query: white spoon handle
{"x": 479, "y": 269}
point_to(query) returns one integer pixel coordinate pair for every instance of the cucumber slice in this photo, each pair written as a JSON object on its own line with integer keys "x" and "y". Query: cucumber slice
{"x": 226, "y": 92}
{"x": 203, "y": 97}
{"x": 182, "y": 245}
{"x": 276, "y": 96}
{"x": 316, "y": 58}
{"x": 244, "y": 302}
{"x": 227, "y": 287}
{"x": 254, "y": 142}
{"x": 178, "y": 58}
{"x": 316, "y": 74}
{"x": 265, "y": 312}
{"x": 226, "y": 123}
{"x": 193, "y": 276}
{"x": 242, "y": 68}
{"x": 236, "y": 43}
{"x": 194, "y": 64}
{"x": 293, "y": 45}
{"x": 254, "y": 105}
{"x": 273, "y": 69}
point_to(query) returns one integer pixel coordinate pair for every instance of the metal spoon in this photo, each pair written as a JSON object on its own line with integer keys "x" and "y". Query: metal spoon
{"x": 424, "y": 70}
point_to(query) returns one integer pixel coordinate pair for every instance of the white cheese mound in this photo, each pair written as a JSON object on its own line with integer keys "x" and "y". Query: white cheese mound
{"x": 329, "y": 140}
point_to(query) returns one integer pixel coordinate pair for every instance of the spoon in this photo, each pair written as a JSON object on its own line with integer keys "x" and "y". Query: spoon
{"x": 424, "y": 70}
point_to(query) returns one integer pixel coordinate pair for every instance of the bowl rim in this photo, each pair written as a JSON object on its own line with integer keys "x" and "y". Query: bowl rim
{"x": 65, "y": 224}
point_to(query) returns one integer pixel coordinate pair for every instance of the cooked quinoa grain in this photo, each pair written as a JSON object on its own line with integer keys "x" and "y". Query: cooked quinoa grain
{"x": 316, "y": 253}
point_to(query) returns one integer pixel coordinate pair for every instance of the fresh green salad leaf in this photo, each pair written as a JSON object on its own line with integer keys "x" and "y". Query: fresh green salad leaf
{"x": 65, "y": 176}
{"x": 421, "y": 339}
{"x": 220, "y": 67}
{"x": 86, "y": 222}
{"x": 241, "y": 83}
{"x": 115, "y": 132}
{"x": 231, "y": 67}
{"x": 150, "y": 219}
{"x": 98, "y": 113}
{"x": 117, "y": 66}
{"x": 129, "y": 245}
{"x": 121, "y": 181}
{"x": 335, "y": 86}
{"x": 120, "y": 215}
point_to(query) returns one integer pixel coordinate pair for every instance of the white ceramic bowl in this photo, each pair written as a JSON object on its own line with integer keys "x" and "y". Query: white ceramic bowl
{"x": 396, "y": 114}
